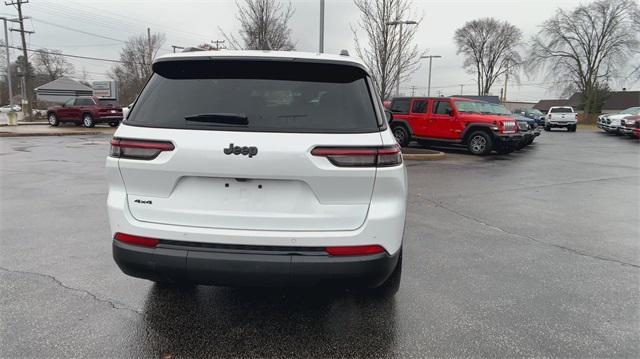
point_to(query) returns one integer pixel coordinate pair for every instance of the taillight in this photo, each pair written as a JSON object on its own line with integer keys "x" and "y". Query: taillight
{"x": 354, "y": 250}
{"x": 361, "y": 156}
{"x": 136, "y": 240}
{"x": 138, "y": 149}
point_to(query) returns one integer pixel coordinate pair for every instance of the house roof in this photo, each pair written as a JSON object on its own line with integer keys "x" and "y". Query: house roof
{"x": 622, "y": 100}
{"x": 544, "y": 105}
{"x": 64, "y": 84}
{"x": 616, "y": 101}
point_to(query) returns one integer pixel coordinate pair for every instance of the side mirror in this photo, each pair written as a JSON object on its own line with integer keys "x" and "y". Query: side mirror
{"x": 388, "y": 115}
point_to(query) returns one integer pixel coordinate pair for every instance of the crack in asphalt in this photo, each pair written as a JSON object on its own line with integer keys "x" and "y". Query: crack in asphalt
{"x": 547, "y": 244}
{"x": 59, "y": 283}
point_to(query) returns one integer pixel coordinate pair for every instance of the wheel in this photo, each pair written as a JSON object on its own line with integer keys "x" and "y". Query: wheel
{"x": 87, "y": 120}
{"x": 479, "y": 143}
{"x": 113, "y": 124}
{"x": 547, "y": 128}
{"x": 53, "y": 119}
{"x": 392, "y": 284}
{"x": 571, "y": 128}
{"x": 402, "y": 135}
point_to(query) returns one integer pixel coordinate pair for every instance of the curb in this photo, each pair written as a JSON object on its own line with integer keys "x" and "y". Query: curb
{"x": 434, "y": 156}
{"x": 26, "y": 123}
{"x": 34, "y": 134}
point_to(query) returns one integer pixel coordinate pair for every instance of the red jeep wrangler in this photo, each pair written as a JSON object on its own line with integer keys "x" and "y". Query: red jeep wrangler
{"x": 451, "y": 120}
{"x": 86, "y": 110}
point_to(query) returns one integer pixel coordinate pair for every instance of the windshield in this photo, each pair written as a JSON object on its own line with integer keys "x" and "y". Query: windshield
{"x": 632, "y": 111}
{"x": 498, "y": 109}
{"x": 268, "y": 96}
{"x": 469, "y": 106}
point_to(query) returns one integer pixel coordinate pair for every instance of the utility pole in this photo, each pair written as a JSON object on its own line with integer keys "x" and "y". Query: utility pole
{"x": 218, "y": 43}
{"x": 413, "y": 91}
{"x": 149, "y": 44}
{"x": 461, "y": 89}
{"x": 400, "y": 23}
{"x": 6, "y": 46}
{"x": 506, "y": 80}
{"x": 25, "y": 60}
{"x": 321, "y": 41}
{"x": 430, "y": 57}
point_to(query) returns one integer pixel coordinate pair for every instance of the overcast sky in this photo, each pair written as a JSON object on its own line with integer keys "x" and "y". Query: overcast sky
{"x": 188, "y": 23}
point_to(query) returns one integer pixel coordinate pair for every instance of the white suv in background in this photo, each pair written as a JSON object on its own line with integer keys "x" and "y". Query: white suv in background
{"x": 258, "y": 169}
{"x": 561, "y": 116}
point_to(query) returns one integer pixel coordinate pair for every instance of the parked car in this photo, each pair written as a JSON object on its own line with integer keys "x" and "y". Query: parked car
{"x": 531, "y": 113}
{"x": 630, "y": 126}
{"x": 87, "y": 111}
{"x": 529, "y": 129}
{"x": 612, "y": 122}
{"x": 561, "y": 116}
{"x": 457, "y": 121}
{"x": 10, "y": 108}
{"x": 254, "y": 168}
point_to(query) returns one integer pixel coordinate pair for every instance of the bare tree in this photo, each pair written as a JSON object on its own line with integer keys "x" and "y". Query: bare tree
{"x": 52, "y": 64}
{"x": 586, "y": 47}
{"x": 264, "y": 25}
{"x": 135, "y": 68}
{"x": 490, "y": 48}
{"x": 381, "y": 44}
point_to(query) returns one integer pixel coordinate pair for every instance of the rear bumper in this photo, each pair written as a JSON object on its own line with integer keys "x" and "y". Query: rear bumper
{"x": 562, "y": 123}
{"x": 102, "y": 119}
{"x": 251, "y": 267}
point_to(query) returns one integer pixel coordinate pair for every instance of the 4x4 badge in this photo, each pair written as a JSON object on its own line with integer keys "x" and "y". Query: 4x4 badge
{"x": 237, "y": 150}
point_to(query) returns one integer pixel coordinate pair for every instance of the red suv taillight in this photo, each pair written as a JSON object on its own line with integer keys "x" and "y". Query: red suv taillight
{"x": 138, "y": 149}
{"x": 361, "y": 156}
{"x": 355, "y": 250}
{"x": 136, "y": 240}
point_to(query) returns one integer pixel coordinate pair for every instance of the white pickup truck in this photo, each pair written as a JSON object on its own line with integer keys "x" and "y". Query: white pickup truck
{"x": 561, "y": 116}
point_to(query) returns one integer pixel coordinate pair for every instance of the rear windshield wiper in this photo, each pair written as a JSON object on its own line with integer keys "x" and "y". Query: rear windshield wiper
{"x": 221, "y": 118}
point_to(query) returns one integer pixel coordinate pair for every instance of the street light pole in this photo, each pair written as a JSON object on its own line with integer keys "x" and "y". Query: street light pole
{"x": 430, "y": 57}
{"x": 321, "y": 41}
{"x": 400, "y": 23}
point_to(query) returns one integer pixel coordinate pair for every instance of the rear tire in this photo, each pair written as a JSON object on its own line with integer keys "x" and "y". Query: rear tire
{"x": 113, "y": 124}
{"x": 402, "y": 135}
{"x": 547, "y": 128}
{"x": 53, "y": 120}
{"x": 571, "y": 128}
{"x": 479, "y": 143}
{"x": 87, "y": 120}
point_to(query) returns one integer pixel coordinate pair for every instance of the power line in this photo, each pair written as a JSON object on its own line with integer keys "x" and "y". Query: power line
{"x": 69, "y": 55}
{"x": 78, "y": 30}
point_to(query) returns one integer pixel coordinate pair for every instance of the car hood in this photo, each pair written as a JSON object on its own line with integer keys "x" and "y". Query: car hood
{"x": 619, "y": 116}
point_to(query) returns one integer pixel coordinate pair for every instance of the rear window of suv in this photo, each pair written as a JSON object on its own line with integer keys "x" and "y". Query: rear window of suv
{"x": 562, "y": 110}
{"x": 242, "y": 95}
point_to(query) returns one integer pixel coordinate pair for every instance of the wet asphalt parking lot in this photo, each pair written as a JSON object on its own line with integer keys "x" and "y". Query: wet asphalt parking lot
{"x": 533, "y": 254}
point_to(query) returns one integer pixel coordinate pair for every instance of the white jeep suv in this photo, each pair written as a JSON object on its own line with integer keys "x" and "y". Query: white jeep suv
{"x": 258, "y": 169}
